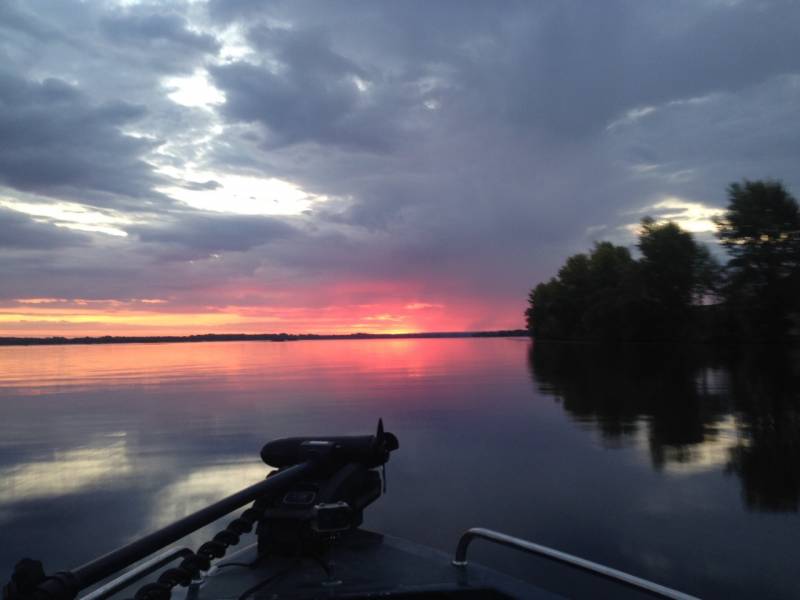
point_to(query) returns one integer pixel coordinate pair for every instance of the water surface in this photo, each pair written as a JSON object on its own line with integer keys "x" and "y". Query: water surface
{"x": 679, "y": 464}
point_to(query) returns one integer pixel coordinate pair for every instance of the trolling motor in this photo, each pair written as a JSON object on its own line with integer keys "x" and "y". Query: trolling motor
{"x": 318, "y": 492}
{"x": 315, "y": 511}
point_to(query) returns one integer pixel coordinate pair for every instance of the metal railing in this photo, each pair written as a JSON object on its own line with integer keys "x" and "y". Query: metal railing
{"x": 135, "y": 574}
{"x": 65, "y": 585}
{"x": 621, "y": 577}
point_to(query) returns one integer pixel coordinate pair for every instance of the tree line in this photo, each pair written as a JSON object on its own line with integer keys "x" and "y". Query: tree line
{"x": 247, "y": 337}
{"x": 676, "y": 289}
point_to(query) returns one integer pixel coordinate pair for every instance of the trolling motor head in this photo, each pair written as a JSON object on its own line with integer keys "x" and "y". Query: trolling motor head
{"x": 367, "y": 450}
{"x": 312, "y": 513}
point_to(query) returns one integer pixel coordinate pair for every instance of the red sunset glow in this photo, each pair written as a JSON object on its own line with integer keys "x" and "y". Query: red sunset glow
{"x": 42, "y": 317}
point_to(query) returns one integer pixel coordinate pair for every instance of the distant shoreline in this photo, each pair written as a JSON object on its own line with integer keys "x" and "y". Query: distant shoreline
{"x": 248, "y": 337}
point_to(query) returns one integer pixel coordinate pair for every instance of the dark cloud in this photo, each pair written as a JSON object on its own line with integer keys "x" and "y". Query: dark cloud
{"x": 565, "y": 68}
{"x": 522, "y": 97}
{"x": 56, "y": 142}
{"x": 156, "y": 42}
{"x": 228, "y": 10}
{"x": 20, "y": 232}
{"x": 204, "y": 233}
{"x": 201, "y": 185}
{"x": 158, "y": 31}
{"x": 589, "y": 64}
{"x": 101, "y": 42}
{"x": 16, "y": 19}
{"x": 695, "y": 148}
{"x": 312, "y": 96}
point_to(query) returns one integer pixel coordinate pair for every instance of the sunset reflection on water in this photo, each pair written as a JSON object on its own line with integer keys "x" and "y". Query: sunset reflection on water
{"x": 32, "y": 369}
{"x": 643, "y": 460}
{"x": 77, "y": 419}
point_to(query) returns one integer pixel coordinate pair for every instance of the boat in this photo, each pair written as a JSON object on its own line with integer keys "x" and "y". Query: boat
{"x": 309, "y": 543}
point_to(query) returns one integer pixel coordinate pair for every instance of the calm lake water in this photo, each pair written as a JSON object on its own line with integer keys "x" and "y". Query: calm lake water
{"x": 678, "y": 464}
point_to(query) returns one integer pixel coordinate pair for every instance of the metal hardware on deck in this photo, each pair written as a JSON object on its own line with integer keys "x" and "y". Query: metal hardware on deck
{"x": 120, "y": 583}
{"x": 460, "y": 560}
{"x": 65, "y": 585}
{"x": 102, "y": 567}
{"x": 343, "y": 464}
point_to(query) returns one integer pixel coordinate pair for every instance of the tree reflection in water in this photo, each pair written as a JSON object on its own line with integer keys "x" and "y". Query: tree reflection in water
{"x": 733, "y": 408}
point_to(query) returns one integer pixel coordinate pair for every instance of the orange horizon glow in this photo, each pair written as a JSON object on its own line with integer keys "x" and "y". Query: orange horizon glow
{"x": 77, "y": 317}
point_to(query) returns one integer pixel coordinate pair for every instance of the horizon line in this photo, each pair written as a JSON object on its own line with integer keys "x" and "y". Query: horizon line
{"x": 223, "y": 337}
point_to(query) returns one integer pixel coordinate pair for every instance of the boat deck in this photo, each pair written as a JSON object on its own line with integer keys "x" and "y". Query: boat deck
{"x": 362, "y": 565}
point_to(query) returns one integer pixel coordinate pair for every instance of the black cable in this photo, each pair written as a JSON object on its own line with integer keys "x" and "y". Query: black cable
{"x": 191, "y": 566}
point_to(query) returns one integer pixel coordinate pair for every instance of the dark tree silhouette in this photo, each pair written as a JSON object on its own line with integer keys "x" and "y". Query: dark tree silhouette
{"x": 589, "y": 299}
{"x": 607, "y": 295}
{"x": 761, "y": 232}
{"x": 676, "y": 273}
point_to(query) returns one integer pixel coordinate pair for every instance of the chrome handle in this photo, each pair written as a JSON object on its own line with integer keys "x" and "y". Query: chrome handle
{"x": 460, "y": 560}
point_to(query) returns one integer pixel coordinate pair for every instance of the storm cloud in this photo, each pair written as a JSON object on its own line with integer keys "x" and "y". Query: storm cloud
{"x": 213, "y": 233}
{"x": 20, "y": 232}
{"x": 56, "y": 142}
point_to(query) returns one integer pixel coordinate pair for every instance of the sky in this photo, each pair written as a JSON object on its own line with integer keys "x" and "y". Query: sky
{"x": 190, "y": 166}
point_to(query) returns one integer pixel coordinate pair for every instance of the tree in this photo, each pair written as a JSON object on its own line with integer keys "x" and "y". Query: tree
{"x": 677, "y": 272}
{"x": 611, "y": 310}
{"x": 761, "y": 232}
{"x": 668, "y": 257}
{"x": 588, "y": 299}
{"x": 555, "y": 307}
{"x": 607, "y": 295}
